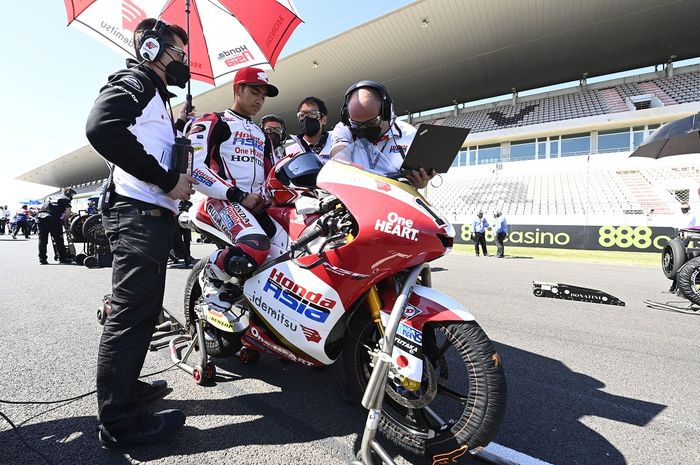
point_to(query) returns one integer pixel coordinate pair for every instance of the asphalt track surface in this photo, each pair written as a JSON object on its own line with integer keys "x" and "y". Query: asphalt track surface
{"x": 587, "y": 383}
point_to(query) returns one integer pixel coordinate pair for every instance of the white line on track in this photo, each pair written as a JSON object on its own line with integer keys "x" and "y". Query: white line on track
{"x": 513, "y": 455}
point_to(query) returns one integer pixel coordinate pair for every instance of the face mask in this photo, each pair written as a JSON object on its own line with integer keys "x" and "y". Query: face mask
{"x": 177, "y": 74}
{"x": 275, "y": 139}
{"x": 310, "y": 126}
{"x": 367, "y": 133}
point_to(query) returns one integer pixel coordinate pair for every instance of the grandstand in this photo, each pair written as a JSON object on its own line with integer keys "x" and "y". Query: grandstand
{"x": 563, "y": 157}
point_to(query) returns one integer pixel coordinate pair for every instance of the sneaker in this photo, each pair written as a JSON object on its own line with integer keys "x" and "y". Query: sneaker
{"x": 43, "y": 262}
{"x": 65, "y": 260}
{"x": 146, "y": 392}
{"x": 150, "y": 429}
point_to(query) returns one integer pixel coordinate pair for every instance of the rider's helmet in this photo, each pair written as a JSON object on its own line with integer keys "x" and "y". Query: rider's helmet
{"x": 292, "y": 177}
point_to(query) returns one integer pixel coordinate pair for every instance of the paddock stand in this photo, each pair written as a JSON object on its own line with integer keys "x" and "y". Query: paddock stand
{"x": 170, "y": 333}
{"x": 680, "y": 306}
{"x": 373, "y": 397}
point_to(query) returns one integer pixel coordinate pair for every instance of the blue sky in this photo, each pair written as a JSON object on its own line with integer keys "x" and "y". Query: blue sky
{"x": 52, "y": 73}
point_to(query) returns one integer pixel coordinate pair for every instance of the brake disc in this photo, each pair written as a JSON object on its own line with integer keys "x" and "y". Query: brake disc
{"x": 418, "y": 399}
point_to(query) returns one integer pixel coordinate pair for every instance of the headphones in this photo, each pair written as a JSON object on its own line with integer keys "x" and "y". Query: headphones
{"x": 387, "y": 105}
{"x": 153, "y": 42}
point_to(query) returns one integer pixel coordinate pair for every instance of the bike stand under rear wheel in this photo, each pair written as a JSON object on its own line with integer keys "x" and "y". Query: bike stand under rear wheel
{"x": 202, "y": 372}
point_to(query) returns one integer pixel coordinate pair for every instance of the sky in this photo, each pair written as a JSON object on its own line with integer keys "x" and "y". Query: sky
{"x": 51, "y": 75}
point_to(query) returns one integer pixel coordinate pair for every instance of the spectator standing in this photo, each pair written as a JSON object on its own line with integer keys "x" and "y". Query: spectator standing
{"x": 21, "y": 222}
{"x": 500, "y": 229}
{"x": 4, "y": 219}
{"x": 275, "y": 134}
{"x": 312, "y": 115}
{"x": 53, "y": 212}
{"x": 131, "y": 127}
{"x": 479, "y": 226}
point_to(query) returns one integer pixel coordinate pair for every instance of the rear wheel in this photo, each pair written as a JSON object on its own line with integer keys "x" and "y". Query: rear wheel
{"x": 462, "y": 398}
{"x": 673, "y": 257}
{"x": 688, "y": 280}
{"x": 219, "y": 343}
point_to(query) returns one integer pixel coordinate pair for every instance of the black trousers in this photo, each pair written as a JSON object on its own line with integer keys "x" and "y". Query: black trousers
{"x": 51, "y": 225}
{"x": 480, "y": 238}
{"x": 3, "y": 222}
{"x": 181, "y": 243}
{"x": 140, "y": 245}
{"x": 500, "y": 238}
{"x": 23, "y": 226}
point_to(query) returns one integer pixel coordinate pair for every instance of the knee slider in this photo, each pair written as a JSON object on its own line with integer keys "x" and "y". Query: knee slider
{"x": 239, "y": 264}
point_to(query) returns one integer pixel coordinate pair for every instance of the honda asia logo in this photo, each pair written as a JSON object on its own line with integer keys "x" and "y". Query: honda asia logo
{"x": 397, "y": 226}
{"x": 310, "y": 304}
{"x": 236, "y": 56}
{"x": 244, "y": 139}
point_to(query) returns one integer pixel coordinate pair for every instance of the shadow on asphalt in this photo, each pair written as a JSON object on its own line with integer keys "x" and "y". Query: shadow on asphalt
{"x": 546, "y": 402}
{"x": 307, "y": 406}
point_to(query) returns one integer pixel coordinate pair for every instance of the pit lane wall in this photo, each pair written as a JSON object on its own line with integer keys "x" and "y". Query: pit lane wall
{"x": 581, "y": 237}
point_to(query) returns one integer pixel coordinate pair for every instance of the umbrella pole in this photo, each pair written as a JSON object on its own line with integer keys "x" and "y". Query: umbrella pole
{"x": 188, "y": 98}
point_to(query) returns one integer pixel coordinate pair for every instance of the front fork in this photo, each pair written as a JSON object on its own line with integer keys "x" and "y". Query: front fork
{"x": 374, "y": 393}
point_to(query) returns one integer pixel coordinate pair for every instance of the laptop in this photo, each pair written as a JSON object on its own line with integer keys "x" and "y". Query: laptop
{"x": 434, "y": 147}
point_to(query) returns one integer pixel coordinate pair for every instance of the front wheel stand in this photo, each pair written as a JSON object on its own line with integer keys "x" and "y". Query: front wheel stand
{"x": 204, "y": 371}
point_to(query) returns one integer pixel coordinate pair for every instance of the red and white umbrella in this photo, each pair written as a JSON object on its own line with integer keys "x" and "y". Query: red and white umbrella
{"x": 225, "y": 35}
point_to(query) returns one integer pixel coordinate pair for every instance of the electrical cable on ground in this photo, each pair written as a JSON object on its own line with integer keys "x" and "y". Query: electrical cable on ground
{"x": 47, "y": 402}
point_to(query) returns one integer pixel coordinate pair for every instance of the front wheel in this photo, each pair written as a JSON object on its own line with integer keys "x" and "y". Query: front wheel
{"x": 462, "y": 398}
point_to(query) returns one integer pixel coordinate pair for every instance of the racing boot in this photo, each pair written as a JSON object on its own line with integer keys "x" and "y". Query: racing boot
{"x": 217, "y": 291}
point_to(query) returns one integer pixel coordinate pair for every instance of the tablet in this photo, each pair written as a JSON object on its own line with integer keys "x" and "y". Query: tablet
{"x": 434, "y": 147}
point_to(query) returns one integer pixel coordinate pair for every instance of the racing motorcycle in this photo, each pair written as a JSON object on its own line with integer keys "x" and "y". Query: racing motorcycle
{"x": 347, "y": 277}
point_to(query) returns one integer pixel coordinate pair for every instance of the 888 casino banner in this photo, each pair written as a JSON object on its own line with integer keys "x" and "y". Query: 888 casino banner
{"x": 615, "y": 238}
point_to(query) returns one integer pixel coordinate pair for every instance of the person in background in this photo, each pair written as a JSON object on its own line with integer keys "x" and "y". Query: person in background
{"x": 21, "y": 222}
{"x": 275, "y": 135}
{"x": 368, "y": 118}
{"x": 687, "y": 219}
{"x": 182, "y": 240}
{"x": 53, "y": 212}
{"x": 479, "y": 225}
{"x": 312, "y": 114}
{"x": 500, "y": 229}
{"x": 4, "y": 219}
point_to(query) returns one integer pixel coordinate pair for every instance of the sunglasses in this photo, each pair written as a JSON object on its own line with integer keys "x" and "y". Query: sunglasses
{"x": 271, "y": 130}
{"x": 370, "y": 123}
{"x": 314, "y": 114}
{"x": 183, "y": 56}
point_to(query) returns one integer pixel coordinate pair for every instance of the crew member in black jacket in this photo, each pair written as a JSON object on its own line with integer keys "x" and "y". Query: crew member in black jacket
{"x": 131, "y": 127}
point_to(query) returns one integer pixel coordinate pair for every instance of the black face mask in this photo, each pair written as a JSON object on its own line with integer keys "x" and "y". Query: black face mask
{"x": 276, "y": 139}
{"x": 177, "y": 74}
{"x": 367, "y": 133}
{"x": 310, "y": 126}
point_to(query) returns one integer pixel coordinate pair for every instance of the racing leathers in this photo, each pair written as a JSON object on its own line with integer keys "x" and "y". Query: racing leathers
{"x": 229, "y": 164}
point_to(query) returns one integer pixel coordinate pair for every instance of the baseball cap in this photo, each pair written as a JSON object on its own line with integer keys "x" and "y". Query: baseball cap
{"x": 255, "y": 77}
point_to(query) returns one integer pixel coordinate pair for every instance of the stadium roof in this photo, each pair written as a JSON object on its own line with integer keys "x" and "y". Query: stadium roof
{"x": 433, "y": 53}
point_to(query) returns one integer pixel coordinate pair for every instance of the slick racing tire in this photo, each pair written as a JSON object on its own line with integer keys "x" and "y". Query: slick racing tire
{"x": 219, "y": 343}
{"x": 93, "y": 231}
{"x": 463, "y": 385}
{"x": 688, "y": 280}
{"x": 673, "y": 257}
{"x": 76, "y": 227}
